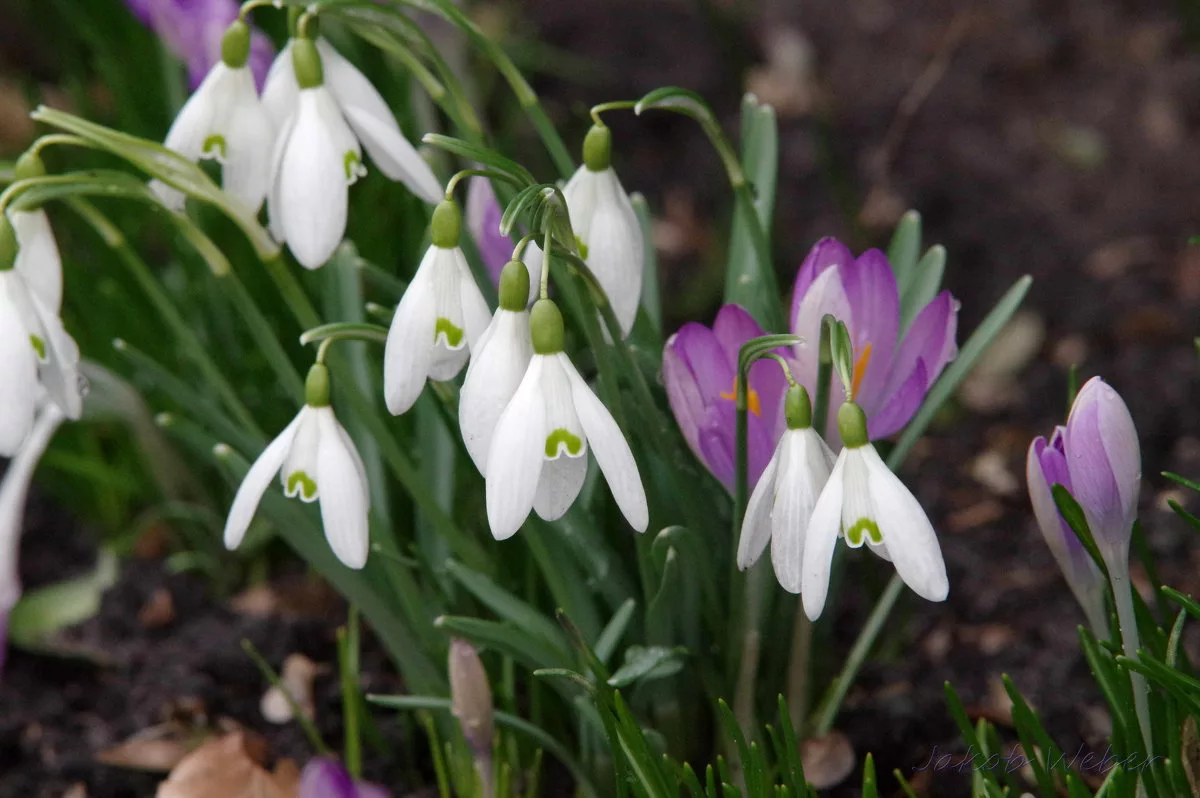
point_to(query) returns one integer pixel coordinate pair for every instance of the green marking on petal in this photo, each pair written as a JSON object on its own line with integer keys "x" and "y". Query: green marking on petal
{"x": 563, "y": 437}
{"x": 39, "y": 346}
{"x": 583, "y": 248}
{"x": 454, "y": 335}
{"x": 302, "y": 484}
{"x": 214, "y": 146}
{"x": 353, "y": 165}
{"x": 854, "y": 535}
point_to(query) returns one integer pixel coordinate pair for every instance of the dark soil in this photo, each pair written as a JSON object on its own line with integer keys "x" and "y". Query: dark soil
{"x": 1059, "y": 142}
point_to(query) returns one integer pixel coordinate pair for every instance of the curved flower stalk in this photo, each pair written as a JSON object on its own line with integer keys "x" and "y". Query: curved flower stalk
{"x": 700, "y": 371}
{"x": 13, "y": 490}
{"x": 609, "y": 235}
{"x": 193, "y": 30}
{"x": 440, "y": 318}
{"x": 316, "y": 460}
{"x": 1046, "y": 466}
{"x": 782, "y": 503}
{"x": 224, "y": 120}
{"x": 864, "y": 502}
{"x": 538, "y": 457}
{"x": 501, "y": 359}
{"x": 326, "y": 778}
{"x": 359, "y": 103}
{"x": 892, "y": 373}
{"x": 483, "y": 221}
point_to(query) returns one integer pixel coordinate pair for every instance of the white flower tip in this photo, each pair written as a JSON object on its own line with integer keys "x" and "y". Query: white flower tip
{"x": 167, "y": 419}
{"x": 119, "y": 344}
{"x": 221, "y": 450}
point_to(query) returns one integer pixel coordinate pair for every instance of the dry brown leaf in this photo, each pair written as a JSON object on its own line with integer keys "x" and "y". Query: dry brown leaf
{"x": 158, "y": 611}
{"x": 1189, "y": 744}
{"x": 222, "y": 768}
{"x": 156, "y": 749}
{"x": 827, "y": 760}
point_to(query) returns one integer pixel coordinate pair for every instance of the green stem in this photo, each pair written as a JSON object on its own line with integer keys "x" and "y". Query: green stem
{"x": 824, "y": 381}
{"x": 345, "y": 331}
{"x": 348, "y": 659}
{"x": 798, "y": 666}
{"x": 1127, "y": 619}
{"x": 310, "y": 730}
{"x": 615, "y": 105}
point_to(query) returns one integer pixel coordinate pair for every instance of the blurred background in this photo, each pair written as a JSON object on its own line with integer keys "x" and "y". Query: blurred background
{"x": 1056, "y": 138}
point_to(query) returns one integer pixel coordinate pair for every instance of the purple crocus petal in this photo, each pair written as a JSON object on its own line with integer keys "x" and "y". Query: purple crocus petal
{"x": 706, "y": 359}
{"x": 262, "y": 55}
{"x": 683, "y": 395}
{"x": 367, "y": 789}
{"x": 1104, "y": 461}
{"x": 930, "y": 338}
{"x": 193, "y": 29}
{"x": 733, "y": 327}
{"x": 718, "y": 444}
{"x": 825, "y": 295}
{"x": 899, "y": 406}
{"x": 325, "y": 778}
{"x": 483, "y": 221}
{"x": 874, "y": 300}
{"x": 140, "y": 9}
{"x": 825, "y": 253}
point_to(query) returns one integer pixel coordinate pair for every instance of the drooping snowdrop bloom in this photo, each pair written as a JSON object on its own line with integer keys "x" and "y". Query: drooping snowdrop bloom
{"x": 483, "y": 221}
{"x": 38, "y": 261}
{"x": 193, "y": 29}
{"x": 362, "y": 108}
{"x": 864, "y": 502}
{"x": 34, "y": 348}
{"x": 13, "y": 490}
{"x": 609, "y": 235}
{"x": 495, "y": 371}
{"x": 538, "y": 456}
{"x": 782, "y": 503}
{"x": 326, "y": 778}
{"x": 439, "y": 320}
{"x": 225, "y": 120}
{"x": 894, "y": 369}
{"x": 699, "y": 372}
{"x": 1046, "y": 466}
{"x": 316, "y": 460}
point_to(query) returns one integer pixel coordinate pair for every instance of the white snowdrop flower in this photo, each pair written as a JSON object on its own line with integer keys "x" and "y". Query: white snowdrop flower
{"x": 439, "y": 320}
{"x": 315, "y": 460}
{"x": 34, "y": 347}
{"x": 610, "y": 237}
{"x": 38, "y": 261}
{"x": 363, "y": 108}
{"x": 225, "y": 120}
{"x": 782, "y": 503}
{"x": 538, "y": 455}
{"x": 499, "y": 363}
{"x": 863, "y": 501}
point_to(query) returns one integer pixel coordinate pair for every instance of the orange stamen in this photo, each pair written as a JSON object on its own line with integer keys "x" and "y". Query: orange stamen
{"x": 860, "y": 369}
{"x": 752, "y": 403}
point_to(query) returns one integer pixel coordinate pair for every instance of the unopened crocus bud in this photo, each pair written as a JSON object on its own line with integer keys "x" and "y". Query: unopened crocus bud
{"x": 1105, "y": 466}
{"x": 471, "y": 697}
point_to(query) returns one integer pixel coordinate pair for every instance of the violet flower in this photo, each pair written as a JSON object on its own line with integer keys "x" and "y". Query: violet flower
{"x": 893, "y": 368}
{"x": 1046, "y": 466}
{"x": 495, "y": 249}
{"x": 699, "y": 369}
{"x": 192, "y": 30}
{"x": 326, "y": 778}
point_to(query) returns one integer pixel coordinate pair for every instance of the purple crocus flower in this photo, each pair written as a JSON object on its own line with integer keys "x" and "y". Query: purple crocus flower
{"x": 1046, "y": 466}
{"x": 326, "y": 778}
{"x": 699, "y": 369}
{"x": 893, "y": 368}
{"x": 1105, "y": 466}
{"x": 483, "y": 220}
{"x": 192, "y": 29}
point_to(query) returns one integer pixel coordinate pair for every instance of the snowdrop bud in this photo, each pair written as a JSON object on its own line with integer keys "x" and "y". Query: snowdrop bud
{"x": 597, "y": 148}
{"x": 8, "y": 244}
{"x": 514, "y": 286}
{"x": 852, "y": 425}
{"x": 316, "y": 386}
{"x": 471, "y": 697}
{"x": 446, "y": 226}
{"x": 29, "y": 166}
{"x": 546, "y": 327}
{"x": 797, "y": 408}
{"x": 306, "y": 62}
{"x": 235, "y": 45}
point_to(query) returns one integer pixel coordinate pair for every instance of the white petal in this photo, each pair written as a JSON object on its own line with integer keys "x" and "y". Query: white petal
{"x": 393, "y": 154}
{"x": 38, "y": 261}
{"x": 274, "y": 205}
{"x": 350, "y": 87}
{"x": 312, "y": 185}
{"x": 910, "y": 539}
{"x": 344, "y": 494}
{"x": 250, "y": 493}
{"x": 18, "y": 371}
{"x": 610, "y": 449}
{"x": 823, "y": 529}
{"x": 514, "y": 464}
{"x": 451, "y": 339}
{"x": 616, "y": 253}
{"x": 803, "y": 472}
{"x": 281, "y": 92}
{"x": 409, "y": 348}
{"x": 493, "y": 376}
{"x": 580, "y": 194}
{"x": 532, "y": 258}
{"x": 250, "y": 140}
{"x": 559, "y": 485}
{"x": 565, "y": 436}
{"x": 13, "y": 490}
{"x": 860, "y": 518}
{"x": 298, "y": 475}
{"x": 756, "y": 523}
{"x": 475, "y": 313}
{"x": 60, "y": 373}
{"x": 190, "y": 129}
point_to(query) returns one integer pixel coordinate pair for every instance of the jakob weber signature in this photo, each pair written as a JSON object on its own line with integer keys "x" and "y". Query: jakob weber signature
{"x": 1015, "y": 760}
